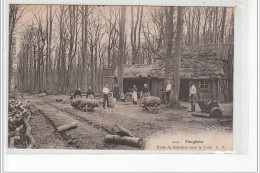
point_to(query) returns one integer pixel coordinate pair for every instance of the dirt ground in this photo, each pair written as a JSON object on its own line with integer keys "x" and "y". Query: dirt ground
{"x": 166, "y": 126}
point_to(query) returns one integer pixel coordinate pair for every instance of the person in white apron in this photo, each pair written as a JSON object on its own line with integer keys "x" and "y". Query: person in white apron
{"x": 134, "y": 95}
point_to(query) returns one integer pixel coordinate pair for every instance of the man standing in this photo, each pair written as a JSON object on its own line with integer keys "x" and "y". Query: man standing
{"x": 90, "y": 93}
{"x": 168, "y": 92}
{"x": 192, "y": 96}
{"x": 105, "y": 97}
{"x": 77, "y": 93}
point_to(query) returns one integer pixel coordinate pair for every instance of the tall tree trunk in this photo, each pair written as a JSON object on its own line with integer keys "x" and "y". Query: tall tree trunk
{"x": 198, "y": 27}
{"x": 84, "y": 72}
{"x": 121, "y": 48}
{"x": 216, "y": 26}
{"x": 177, "y": 61}
{"x": 169, "y": 37}
{"x": 13, "y": 18}
{"x": 223, "y": 25}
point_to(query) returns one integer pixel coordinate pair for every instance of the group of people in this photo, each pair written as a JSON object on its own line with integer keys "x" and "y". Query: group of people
{"x": 90, "y": 94}
{"x": 144, "y": 93}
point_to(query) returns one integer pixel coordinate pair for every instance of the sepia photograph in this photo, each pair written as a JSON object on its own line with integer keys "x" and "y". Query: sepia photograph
{"x": 100, "y": 77}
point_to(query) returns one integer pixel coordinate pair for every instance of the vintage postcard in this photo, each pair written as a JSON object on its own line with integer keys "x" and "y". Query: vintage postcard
{"x": 152, "y": 78}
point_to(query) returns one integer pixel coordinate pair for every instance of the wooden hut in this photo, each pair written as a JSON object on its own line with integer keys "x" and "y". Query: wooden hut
{"x": 209, "y": 67}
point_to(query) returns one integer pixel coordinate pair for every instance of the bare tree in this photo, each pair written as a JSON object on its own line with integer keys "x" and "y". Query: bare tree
{"x": 223, "y": 24}
{"x": 174, "y": 98}
{"x": 135, "y": 40}
{"x": 169, "y": 36}
{"x": 121, "y": 48}
{"x": 16, "y": 12}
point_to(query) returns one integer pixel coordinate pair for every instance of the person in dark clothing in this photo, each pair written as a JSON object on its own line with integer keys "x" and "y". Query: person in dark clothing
{"x": 145, "y": 92}
{"x": 77, "y": 93}
{"x": 90, "y": 93}
{"x": 116, "y": 92}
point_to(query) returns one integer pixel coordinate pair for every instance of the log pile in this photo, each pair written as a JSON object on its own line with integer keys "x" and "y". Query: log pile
{"x": 121, "y": 135}
{"x": 19, "y": 129}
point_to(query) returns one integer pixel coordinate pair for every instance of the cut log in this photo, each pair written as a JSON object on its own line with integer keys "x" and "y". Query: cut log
{"x": 28, "y": 132}
{"x": 67, "y": 127}
{"x": 18, "y": 104}
{"x": 18, "y": 129}
{"x": 117, "y": 129}
{"x": 41, "y": 94}
{"x": 22, "y": 113}
{"x": 125, "y": 140}
{"x": 12, "y": 140}
{"x": 215, "y": 112}
{"x": 200, "y": 114}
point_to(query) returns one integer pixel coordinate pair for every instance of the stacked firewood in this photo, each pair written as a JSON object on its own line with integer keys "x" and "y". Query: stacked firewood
{"x": 19, "y": 129}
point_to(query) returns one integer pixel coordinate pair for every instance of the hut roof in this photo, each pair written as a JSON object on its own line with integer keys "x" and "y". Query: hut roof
{"x": 195, "y": 64}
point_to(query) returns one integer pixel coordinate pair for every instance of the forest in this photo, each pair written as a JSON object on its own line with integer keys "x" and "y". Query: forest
{"x": 59, "y": 48}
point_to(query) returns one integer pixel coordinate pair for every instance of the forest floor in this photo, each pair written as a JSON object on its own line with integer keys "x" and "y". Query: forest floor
{"x": 157, "y": 131}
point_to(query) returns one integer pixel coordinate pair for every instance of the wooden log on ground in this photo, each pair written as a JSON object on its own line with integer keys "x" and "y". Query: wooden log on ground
{"x": 117, "y": 129}
{"x": 215, "y": 112}
{"x": 28, "y": 132}
{"x": 200, "y": 114}
{"x": 67, "y": 127}
{"x": 18, "y": 129}
{"x": 41, "y": 94}
{"x": 18, "y": 104}
{"x": 125, "y": 140}
{"x": 15, "y": 120}
{"x": 12, "y": 140}
{"x": 22, "y": 113}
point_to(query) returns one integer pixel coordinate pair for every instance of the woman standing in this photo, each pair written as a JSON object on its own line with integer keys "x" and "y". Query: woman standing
{"x": 134, "y": 95}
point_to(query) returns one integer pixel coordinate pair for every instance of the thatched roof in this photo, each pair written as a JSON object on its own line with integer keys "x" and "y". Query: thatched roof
{"x": 195, "y": 64}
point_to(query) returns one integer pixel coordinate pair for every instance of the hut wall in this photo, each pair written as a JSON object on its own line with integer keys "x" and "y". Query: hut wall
{"x": 225, "y": 90}
{"x": 215, "y": 88}
{"x": 156, "y": 87}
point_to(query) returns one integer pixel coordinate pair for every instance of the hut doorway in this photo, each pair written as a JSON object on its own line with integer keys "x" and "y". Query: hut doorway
{"x": 130, "y": 82}
{"x": 184, "y": 90}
